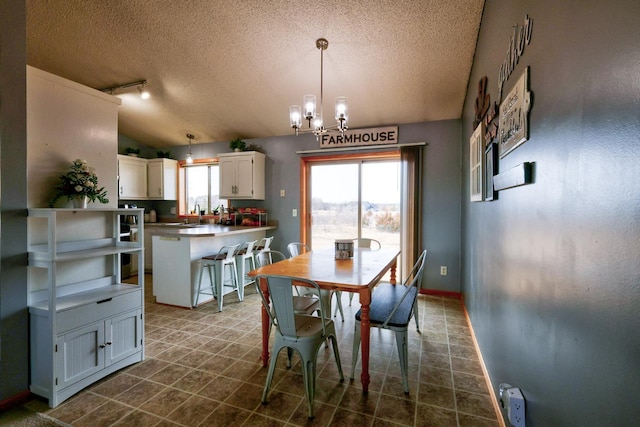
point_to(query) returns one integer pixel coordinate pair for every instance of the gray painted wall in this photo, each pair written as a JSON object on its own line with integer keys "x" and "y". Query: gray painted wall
{"x": 440, "y": 199}
{"x": 14, "y": 330}
{"x": 551, "y": 270}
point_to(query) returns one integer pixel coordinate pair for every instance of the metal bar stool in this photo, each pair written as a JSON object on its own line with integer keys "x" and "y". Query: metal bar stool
{"x": 226, "y": 259}
{"x": 264, "y": 243}
{"x": 245, "y": 259}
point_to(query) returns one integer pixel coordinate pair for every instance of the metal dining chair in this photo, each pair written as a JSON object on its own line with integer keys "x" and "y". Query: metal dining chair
{"x": 365, "y": 242}
{"x": 302, "y": 304}
{"x": 298, "y": 248}
{"x": 392, "y": 307}
{"x": 303, "y": 334}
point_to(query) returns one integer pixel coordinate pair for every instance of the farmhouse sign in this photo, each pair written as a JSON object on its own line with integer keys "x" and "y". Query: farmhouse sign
{"x": 358, "y": 137}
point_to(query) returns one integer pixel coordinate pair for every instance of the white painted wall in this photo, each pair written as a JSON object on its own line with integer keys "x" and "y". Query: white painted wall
{"x": 67, "y": 121}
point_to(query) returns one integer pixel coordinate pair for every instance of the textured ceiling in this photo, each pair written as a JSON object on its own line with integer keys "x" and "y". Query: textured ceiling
{"x": 227, "y": 69}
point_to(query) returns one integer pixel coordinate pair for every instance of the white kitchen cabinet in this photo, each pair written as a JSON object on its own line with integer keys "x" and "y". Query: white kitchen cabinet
{"x": 132, "y": 178}
{"x": 162, "y": 179}
{"x": 242, "y": 175}
{"x": 84, "y": 323}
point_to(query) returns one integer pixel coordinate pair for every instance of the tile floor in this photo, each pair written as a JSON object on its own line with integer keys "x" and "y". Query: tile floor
{"x": 202, "y": 368}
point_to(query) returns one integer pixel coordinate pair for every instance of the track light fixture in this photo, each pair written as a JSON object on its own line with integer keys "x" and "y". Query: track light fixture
{"x": 311, "y": 113}
{"x": 144, "y": 94}
{"x": 189, "y": 156}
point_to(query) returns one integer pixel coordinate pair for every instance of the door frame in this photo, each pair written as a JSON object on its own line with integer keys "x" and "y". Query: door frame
{"x": 305, "y": 176}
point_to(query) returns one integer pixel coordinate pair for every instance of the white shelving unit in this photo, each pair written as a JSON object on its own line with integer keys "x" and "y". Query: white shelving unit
{"x": 84, "y": 323}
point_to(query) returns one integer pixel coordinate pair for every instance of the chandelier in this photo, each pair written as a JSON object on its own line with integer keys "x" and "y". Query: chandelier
{"x": 311, "y": 113}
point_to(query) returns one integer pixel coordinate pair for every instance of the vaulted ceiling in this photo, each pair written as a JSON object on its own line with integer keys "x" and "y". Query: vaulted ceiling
{"x": 227, "y": 69}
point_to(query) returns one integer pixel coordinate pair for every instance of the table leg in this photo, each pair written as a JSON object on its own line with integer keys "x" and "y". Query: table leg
{"x": 365, "y": 301}
{"x": 392, "y": 279}
{"x": 266, "y": 323}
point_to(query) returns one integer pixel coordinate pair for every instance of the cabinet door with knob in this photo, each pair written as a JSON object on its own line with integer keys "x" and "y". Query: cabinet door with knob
{"x": 79, "y": 354}
{"x": 242, "y": 175}
{"x": 162, "y": 179}
{"x": 87, "y": 350}
{"x": 132, "y": 178}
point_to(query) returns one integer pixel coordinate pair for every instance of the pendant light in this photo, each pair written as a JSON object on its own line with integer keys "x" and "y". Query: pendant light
{"x": 189, "y": 155}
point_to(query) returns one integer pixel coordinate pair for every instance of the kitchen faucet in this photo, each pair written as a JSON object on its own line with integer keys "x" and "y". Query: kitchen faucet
{"x": 197, "y": 209}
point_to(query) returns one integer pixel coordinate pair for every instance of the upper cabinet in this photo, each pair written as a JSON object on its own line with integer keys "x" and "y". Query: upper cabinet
{"x": 242, "y": 175}
{"x": 142, "y": 179}
{"x": 132, "y": 174}
{"x": 162, "y": 179}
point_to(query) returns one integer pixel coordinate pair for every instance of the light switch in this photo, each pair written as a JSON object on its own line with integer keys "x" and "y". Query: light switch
{"x": 282, "y": 193}
{"x": 294, "y": 212}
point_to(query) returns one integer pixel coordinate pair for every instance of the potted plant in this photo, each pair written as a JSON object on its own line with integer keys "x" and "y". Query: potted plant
{"x": 132, "y": 151}
{"x": 164, "y": 154}
{"x": 237, "y": 145}
{"x": 79, "y": 184}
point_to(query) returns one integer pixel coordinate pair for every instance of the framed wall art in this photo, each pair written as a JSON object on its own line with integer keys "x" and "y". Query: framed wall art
{"x": 476, "y": 164}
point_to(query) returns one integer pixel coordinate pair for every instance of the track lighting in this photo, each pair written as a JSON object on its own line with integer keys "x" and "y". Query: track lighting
{"x": 144, "y": 94}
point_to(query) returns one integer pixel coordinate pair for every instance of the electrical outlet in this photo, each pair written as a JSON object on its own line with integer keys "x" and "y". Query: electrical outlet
{"x": 512, "y": 400}
{"x": 282, "y": 193}
{"x": 515, "y": 413}
{"x": 443, "y": 270}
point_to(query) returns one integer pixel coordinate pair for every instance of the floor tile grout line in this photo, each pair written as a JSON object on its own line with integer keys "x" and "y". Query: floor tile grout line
{"x": 453, "y": 384}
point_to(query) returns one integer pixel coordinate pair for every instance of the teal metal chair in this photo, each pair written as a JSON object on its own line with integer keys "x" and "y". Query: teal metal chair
{"x": 302, "y": 304}
{"x": 392, "y": 307}
{"x": 298, "y": 248}
{"x": 298, "y": 332}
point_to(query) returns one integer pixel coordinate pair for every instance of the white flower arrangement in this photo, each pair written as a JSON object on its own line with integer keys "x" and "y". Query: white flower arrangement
{"x": 80, "y": 181}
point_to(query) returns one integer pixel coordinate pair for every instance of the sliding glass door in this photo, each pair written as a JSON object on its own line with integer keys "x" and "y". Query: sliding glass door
{"x": 354, "y": 198}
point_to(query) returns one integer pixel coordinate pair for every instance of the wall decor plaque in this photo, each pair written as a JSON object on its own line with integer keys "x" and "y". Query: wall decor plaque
{"x": 476, "y": 164}
{"x": 357, "y": 137}
{"x": 513, "y": 127}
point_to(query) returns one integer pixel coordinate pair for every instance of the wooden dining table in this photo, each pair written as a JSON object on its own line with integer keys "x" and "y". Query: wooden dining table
{"x": 359, "y": 274}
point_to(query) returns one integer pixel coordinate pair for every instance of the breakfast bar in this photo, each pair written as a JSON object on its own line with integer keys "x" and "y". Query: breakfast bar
{"x": 177, "y": 253}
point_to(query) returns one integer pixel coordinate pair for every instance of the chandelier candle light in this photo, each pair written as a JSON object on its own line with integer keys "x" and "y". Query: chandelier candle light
{"x": 311, "y": 113}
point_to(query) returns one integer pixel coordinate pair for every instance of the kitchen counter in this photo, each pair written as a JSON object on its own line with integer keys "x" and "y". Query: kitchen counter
{"x": 177, "y": 251}
{"x": 202, "y": 230}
